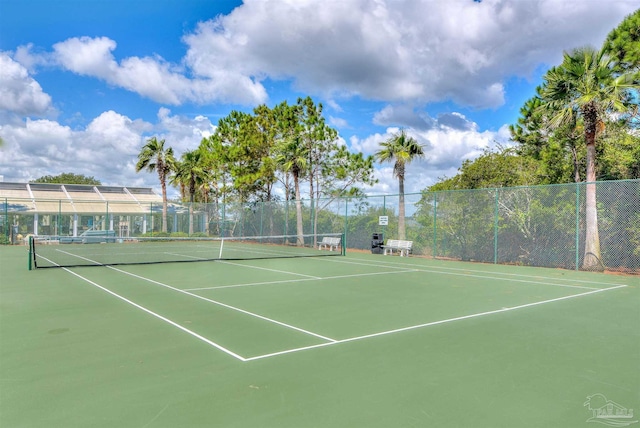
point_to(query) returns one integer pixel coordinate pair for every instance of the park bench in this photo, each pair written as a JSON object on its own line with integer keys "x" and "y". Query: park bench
{"x": 329, "y": 243}
{"x": 402, "y": 247}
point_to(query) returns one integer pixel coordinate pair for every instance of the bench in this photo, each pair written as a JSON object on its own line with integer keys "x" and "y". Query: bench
{"x": 402, "y": 247}
{"x": 329, "y": 243}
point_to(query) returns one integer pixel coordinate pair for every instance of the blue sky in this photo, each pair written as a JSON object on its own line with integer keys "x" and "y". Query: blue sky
{"x": 83, "y": 83}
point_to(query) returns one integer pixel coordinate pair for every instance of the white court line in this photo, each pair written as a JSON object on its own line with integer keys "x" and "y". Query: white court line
{"x": 251, "y": 284}
{"x": 334, "y": 341}
{"x": 188, "y": 256}
{"x": 413, "y": 327}
{"x": 407, "y": 265}
{"x": 268, "y": 269}
{"x": 77, "y": 256}
{"x": 404, "y": 270}
{"x": 167, "y": 320}
{"x": 497, "y": 278}
{"x": 224, "y": 305}
{"x": 408, "y": 268}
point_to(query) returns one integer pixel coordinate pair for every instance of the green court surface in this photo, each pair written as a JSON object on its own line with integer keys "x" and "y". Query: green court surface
{"x": 358, "y": 341}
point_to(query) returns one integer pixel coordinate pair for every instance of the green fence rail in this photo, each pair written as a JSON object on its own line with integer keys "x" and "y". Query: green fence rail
{"x": 534, "y": 226}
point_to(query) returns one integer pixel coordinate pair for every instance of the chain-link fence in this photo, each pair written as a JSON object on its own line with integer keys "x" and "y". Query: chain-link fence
{"x": 533, "y": 226}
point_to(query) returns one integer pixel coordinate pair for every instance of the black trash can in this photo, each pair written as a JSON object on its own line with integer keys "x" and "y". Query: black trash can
{"x": 377, "y": 240}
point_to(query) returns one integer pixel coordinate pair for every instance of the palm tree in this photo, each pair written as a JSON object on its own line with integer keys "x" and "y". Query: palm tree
{"x": 154, "y": 157}
{"x": 400, "y": 149}
{"x": 190, "y": 174}
{"x": 292, "y": 158}
{"x": 586, "y": 87}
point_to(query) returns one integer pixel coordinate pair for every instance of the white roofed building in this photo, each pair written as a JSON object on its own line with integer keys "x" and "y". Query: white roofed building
{"x": 70, "y": 209}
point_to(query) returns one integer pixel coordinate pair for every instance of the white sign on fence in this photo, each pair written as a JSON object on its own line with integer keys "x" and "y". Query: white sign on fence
{"x": 383, "y": 220}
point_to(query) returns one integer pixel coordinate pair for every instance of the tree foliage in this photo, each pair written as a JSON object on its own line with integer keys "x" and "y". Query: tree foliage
{"x": 502, "y": 167}
{"x": 581, "y": 125}
{"x": 191, "y": 177}
{"x": 291, "y": 144}
{"x": 68, "y": 178}
{"x": 623, "y": 43}
{"x": 155, "y": 157}
{"x": 400, "y": 149}
{"x": 586, "y": 88}
{"x": 602, "y": 89}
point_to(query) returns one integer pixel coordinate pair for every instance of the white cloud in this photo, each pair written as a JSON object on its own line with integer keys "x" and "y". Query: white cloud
{"x": 415, "y": 51}
{"x": 404, "y": 52}
{"x": 106, "y": 148}
{"x": 182, "y": 131}
{"x": 445, "y": 146}
{"x": 338, "y": 122}
{"x": 19, "y": 92}
{"x": 404, "y": 115}
{"x": 87, "y": 56}
{"x": 409, "y": 50}
{"x": 370, "y": 144}
{"x": 115, "y": 134}
{"x": 456, "y": 121}
{"x": 29, "y": 59}
{"x": 153, "y": 77}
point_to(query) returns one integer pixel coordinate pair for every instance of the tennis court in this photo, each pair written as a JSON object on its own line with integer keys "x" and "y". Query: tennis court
{"x": 360, "y": 340}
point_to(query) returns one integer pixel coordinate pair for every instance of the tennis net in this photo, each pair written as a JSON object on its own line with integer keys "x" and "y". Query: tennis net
{"x": 107, "y": 250}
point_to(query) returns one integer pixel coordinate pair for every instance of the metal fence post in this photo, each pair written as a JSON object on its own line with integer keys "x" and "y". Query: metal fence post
{"x": 224, "y": 224}
{"x": 261, "y": 217}
{"x": 384, "y": 212}
{"x": 495, "y": 227}
{"x": 346, "y": 220}
{"x": 435, "y": 224}
{"x": 6, "y": 218}
{"x": 577, "y": 226}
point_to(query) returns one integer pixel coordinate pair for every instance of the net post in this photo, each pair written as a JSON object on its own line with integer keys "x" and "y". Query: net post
{"x": 31, "y": 253}
{"x": 343, "y": 244}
